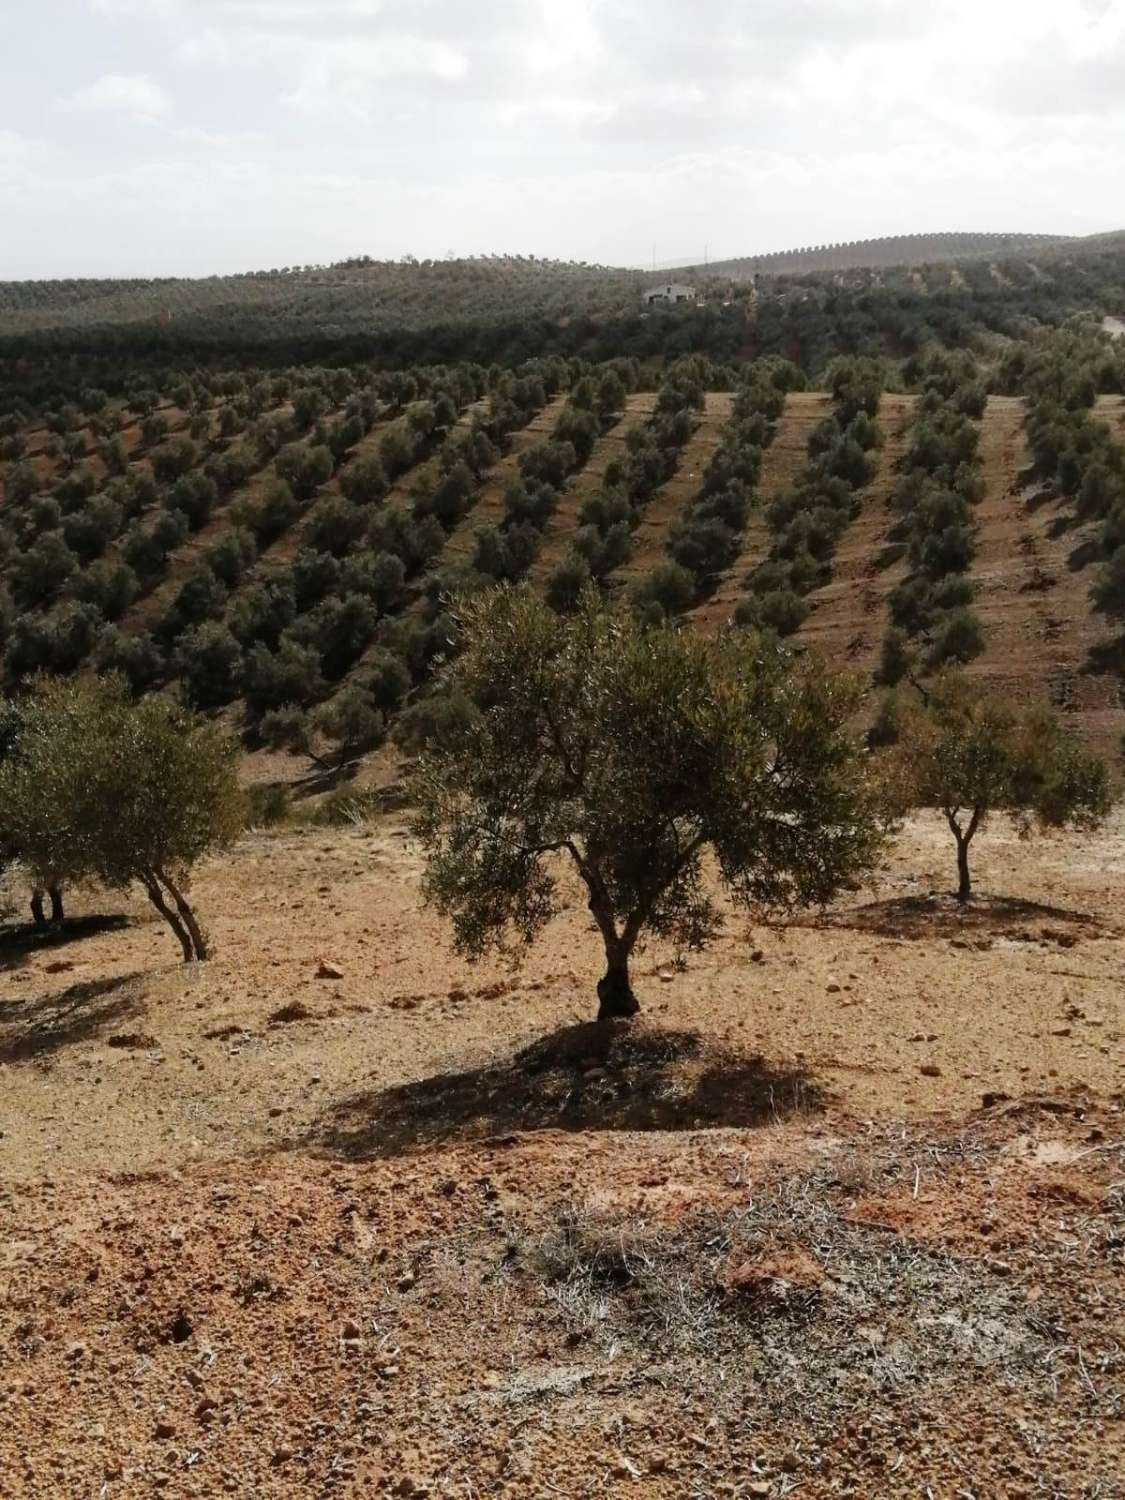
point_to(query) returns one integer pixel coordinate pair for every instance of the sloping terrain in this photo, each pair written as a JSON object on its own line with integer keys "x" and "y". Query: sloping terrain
{"x": 784, "y": 457}
{"x": 849, "y": 615}
{"x": 823, "y": 1220}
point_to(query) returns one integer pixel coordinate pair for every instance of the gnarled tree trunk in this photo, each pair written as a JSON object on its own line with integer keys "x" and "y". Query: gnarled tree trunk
{"x": 187, "y": 917}
{"x": 55, "y": 893}
{"x": 616, "y": 1000}
{"x": 156, "y": 896}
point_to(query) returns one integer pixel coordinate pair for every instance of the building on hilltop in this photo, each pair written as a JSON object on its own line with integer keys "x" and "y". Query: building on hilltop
{"x": 671, "y": 294}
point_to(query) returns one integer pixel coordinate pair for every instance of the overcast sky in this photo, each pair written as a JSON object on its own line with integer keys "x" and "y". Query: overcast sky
{"x": 199, "y": 136}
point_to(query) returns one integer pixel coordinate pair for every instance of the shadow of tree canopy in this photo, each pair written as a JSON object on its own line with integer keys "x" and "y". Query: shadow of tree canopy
{"x": 940, "y": 915}
{"x": 43, "y": 1024}
{"x": 1107, "y": 658}
{"x": 17, "y": 943}
{"x": 587, "y": 1077}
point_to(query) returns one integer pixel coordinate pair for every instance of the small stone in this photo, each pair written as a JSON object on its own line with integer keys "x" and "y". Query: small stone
{"x": 350, "y": 1330}
{"x": 76, "y": 1352}
{"x": 930, "y": 1070}
{"x": 326, "y": 970}
{"x": 757, "y": 956}
{"x": 164, "y": 1429}
{"x": 625, "y": 1468}
{"x": 406, "y": 1281}
{"x": 182, "y": 1328}
{"x": 206, "y": 1407}
{"x": 832, "y": 987}
{"x": 759, "y": 1487}
{"x": 275, "y": 1110}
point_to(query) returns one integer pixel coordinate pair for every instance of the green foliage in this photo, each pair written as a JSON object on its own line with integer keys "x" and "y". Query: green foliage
{"x": 967, "y": 752}
{"x": 208, "y": 660}
{"x": 351, "y": 719}
{"x": 304, "y": 468}
{"x": 630, "y": 752}
{"x": 100, "y": 786}
{"x": 567, "y": 583}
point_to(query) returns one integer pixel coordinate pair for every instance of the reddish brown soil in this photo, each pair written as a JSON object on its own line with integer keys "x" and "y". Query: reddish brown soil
{"x": 1033, "y": 572}
{"x": 849, "y": 615}
{"x": 489, "y": 507}
{"x": 610, "y": 446}
{"x": 670, "y": 500}
{"x": 421, "y": 1229}
{"x": 783, "y": 460}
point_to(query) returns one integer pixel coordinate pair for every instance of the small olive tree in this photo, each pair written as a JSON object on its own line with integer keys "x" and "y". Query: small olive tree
{"x": 631, "y": 752}
{"x": 99, "y": 786}
{"x": 966, "y": 751}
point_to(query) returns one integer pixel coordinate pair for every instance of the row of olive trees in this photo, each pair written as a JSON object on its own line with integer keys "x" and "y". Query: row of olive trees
{"x": 97, "y": 786}
{"x": 641, "y": 756}
{"x": 646, "y": 757}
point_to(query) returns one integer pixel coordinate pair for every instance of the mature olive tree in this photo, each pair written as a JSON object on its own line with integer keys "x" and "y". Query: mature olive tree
{"x": 967, "y": 752}
{"x": 99, "y": 786}
{"x": 631, "y": 752}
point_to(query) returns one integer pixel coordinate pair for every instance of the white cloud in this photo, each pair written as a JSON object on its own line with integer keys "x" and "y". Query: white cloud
{"x": 311, "y": 128}
{"x": 133, "y": 94}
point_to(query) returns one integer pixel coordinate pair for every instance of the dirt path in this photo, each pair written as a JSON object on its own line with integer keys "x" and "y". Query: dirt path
{"x": 1033, "y": 570}
{"x": 849, "y": 614}
{"x": 561, "y": 527}
{"x": 671, "y": 498}
{"x": 781, "y": 463}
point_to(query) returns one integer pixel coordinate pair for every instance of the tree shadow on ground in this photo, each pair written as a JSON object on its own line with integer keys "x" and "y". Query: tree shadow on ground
{"x": 589, "y": 1077}
{"x": 1107, "y": 658}
{"x": 941, "y": 915}
{"x": 18, "y": 943}
{"x": 1087, "y": 552}
{"x": 42, "y": 1024}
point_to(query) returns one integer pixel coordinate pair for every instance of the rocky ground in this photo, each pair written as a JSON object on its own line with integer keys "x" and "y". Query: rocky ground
{"x": 338, "y": 1215}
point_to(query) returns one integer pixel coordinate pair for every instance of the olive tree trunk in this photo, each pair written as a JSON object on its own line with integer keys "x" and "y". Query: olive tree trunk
{"x": 156, "y": 896}
{"x": 616, "y": 1000}
{"x": 963, "y": 837}
{"x": 188, "y": 918}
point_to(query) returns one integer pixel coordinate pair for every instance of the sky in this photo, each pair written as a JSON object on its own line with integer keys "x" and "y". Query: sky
{"x": 199, "y": 137}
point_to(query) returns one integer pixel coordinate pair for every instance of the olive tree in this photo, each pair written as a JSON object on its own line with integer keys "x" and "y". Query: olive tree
{"x": 99, "y": 786}
{"x": 631, "y": 753}
{"x": 967, "y": 752}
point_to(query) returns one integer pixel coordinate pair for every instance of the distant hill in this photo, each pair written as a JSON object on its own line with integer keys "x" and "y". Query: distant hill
{"x": 891, "y": 250}
{"x": 359, "y": 293}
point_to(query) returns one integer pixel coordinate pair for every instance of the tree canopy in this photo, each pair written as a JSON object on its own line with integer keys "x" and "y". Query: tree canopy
{"x": 967, "y": 752}
{"x": 632, "y": 752}
{"x": 97, "y": 785}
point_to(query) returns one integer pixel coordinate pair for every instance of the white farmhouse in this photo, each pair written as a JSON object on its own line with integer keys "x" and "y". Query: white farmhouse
{"x": 671, "y": 294}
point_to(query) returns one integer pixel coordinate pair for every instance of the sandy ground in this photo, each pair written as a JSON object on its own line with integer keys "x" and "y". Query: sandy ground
{"x": 844, "y": 1215}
